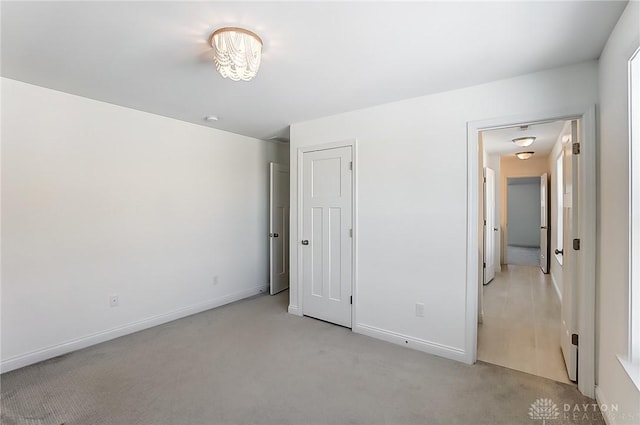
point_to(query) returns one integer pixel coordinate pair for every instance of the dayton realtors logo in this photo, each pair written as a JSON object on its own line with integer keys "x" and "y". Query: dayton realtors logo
{"x": 543, "y": 409}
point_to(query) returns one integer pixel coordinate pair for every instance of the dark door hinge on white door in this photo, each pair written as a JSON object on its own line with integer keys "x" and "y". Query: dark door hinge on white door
{"x": 576, "y": 148}
{"x": 574, "y": 339}
{"x": 351, "y": 299}
{"x": 350, "y": 233}
{"x": 351, "y": 165}
{"x": 576, "y": 244}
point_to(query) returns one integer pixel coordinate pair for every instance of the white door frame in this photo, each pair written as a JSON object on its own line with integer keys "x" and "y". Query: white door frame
{"x": 353, "y": 143}
{"x": 587, "y": 230}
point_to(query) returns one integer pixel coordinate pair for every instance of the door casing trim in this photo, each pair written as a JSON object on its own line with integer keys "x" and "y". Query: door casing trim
{"x": 587, "y": 230}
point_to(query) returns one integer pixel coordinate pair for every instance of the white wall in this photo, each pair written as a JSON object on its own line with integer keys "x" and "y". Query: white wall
{"x": 98, "y": 200}
{"x": 614, "y": 385}
{"x": 412, "y": 199}
{"x": 523, "y": 211}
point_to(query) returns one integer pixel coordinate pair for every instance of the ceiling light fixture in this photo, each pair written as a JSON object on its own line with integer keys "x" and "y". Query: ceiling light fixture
{"x": 211, "y": 118}
{"x": 236, "y": 53}
{"x": 524, "y": 155}
{"x": 524, "y": 141}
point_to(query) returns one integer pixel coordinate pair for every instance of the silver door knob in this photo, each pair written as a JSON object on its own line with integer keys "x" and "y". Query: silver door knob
{"x": 305, "y": 242}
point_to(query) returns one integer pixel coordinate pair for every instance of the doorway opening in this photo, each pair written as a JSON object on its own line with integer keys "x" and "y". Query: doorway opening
{"x": 523, "y": 318}
{"x": 578, "y": 254}
{"x": 522, "y": 233}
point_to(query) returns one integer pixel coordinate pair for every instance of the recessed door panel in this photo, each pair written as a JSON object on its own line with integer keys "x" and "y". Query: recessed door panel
{"x": 326, "y": 178}
{"x": 317, "y": 252}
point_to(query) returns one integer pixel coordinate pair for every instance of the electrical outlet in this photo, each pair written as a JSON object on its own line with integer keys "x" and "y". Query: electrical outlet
{"x": 419, "y": 310}
{"x": 215, "y": 280}
{"x": 114, "y": 301}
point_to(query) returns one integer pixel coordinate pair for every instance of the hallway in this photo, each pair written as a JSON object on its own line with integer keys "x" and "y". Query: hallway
{"x": 521, "y": 324}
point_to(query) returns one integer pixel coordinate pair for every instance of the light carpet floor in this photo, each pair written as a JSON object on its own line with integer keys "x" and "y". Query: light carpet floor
{"x": 253, "y": 363}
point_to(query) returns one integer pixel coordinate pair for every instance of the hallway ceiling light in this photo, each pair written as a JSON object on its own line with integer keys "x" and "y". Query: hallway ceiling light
{"x": 524, "y": 155}
{"x": 524, "y": 141}
{"x": 236, "y": 53}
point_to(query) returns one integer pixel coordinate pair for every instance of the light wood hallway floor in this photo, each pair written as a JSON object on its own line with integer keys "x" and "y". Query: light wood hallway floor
{"x": 521, "y": 326}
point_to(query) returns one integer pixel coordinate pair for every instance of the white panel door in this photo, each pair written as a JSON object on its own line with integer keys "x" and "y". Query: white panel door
{"x": 570, "y": 257}
{"x": 490, "y": 227}
{"x": 544, "y": 223}
{"x": 327, "y": 189}
{"x": 278, "y": 228}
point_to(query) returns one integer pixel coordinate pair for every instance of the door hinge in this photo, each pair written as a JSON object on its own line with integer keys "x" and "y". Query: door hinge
{"x": 484, "y": 265}
{"x": 484, "y": 179}
{"x": 576, "y": 244}
{"x": 574, "y": 339}
{"x": 350, "y": 233}
{"x": 485, "y": 222}
{"x": 351, "y": 299}
{"x": 576, "y": 148}
{"x": 351, "y": 165}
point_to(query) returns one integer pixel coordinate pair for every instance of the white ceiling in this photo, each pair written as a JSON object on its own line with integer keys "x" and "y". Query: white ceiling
{"x": 319, "y": 59}
{"x": 499, "y": 142}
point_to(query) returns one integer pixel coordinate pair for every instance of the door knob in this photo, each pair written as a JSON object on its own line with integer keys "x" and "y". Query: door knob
{"x": 305, "y": 242}
{"x": 495, "y": 229}
{"x": 543, "y": 227}
{"x": 559, "y": 251}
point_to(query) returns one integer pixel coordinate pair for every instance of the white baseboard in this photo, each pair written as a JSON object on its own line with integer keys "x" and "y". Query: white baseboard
{"x": 411, "y": 342}
{"x": 294, "y": 309}
{"x": 98, "y": 337}
{"x": 602, "y": 400}
{"x": 555, "y": 286}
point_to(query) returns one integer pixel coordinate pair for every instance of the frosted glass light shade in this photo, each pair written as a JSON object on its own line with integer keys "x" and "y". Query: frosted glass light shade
{"x": 524, "y": 155}
{"x": 524, "y": 141}
{"x": 236, "y": 53}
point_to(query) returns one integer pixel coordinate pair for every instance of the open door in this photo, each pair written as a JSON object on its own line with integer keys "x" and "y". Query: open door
{"x": 570, "y": 257}
{"x": 544, "y": 223}
{"x": 490, "y": 228}
{"x": 278, "y": 228}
